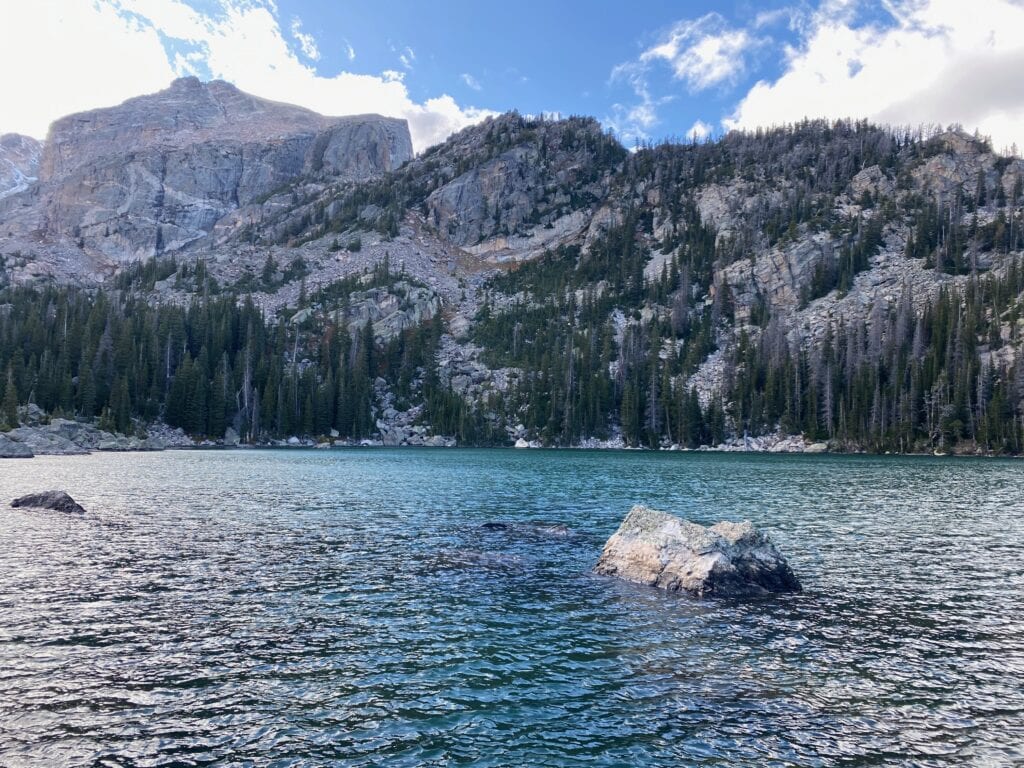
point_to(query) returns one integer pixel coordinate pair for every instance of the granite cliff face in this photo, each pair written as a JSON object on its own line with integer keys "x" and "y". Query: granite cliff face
{"x": 505, "y": 190}
{"x": 19, "y": 163}
{"x": 496, "y": 194}
{"x": 155, "y": 174}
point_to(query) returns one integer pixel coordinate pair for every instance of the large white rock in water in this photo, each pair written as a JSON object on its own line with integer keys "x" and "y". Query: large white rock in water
{"x": 725, "y": 560}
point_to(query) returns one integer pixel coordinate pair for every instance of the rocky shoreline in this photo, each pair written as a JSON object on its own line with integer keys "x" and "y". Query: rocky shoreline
{"x": 774, "y": 443}
{"x": 64, "y": 437}
{"x": 38, "y": 436}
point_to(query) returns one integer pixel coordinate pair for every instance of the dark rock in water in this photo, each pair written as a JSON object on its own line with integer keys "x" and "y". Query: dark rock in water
{"x": 495, "y": 526}
{"x": 535, "y": 527}
{"x": 59, "y": 501}
{"x": 725, "y": 560}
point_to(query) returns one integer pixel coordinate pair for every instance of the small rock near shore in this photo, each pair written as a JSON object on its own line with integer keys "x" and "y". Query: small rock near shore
{"x": 59, "y": 501}
{"x": 724, "y": 560}
{"x": 9, "y": 449}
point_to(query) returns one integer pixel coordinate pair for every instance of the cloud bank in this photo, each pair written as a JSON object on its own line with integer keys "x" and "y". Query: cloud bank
{"x": 899, "y": 62}
{"x": 939, "y": 62}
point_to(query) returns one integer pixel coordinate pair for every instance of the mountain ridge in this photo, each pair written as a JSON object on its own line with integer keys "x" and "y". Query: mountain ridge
{"x": 539, "y": 249}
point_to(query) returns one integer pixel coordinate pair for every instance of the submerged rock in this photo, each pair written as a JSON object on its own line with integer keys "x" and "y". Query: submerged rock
{"x": 471, "y": 559}
{"x": 58, "y": 501}
{"x": 534, "y": 527}
{"x": 725, "y": 560}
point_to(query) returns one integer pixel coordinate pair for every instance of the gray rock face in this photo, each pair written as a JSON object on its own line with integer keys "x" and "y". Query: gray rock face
{"x": 63, "y": 437}
{"x": 10, "y": 449}
{"x": 191, "y": 112}
{"x": 497, "y": 191}
{"x": 725, "y": 560}
{"x": 46, "y": 442}
{"x": 392, "y": 310}
{"x": 19, "y": 163}
{"x": 158, "y": 172}
{"x": 58, "y": 501}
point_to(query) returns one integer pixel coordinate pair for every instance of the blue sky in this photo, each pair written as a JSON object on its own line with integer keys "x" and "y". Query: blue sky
{"x": 534, "y": 56}
{"x": 655, "y": 70}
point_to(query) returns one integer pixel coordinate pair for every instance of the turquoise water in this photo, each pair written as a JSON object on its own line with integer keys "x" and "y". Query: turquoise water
{"x": 346, "y": 608}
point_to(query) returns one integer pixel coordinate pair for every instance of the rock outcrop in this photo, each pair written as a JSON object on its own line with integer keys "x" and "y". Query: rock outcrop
{"x": 726, "y": 560}
{"x": 58, "y": 501}
{"x": 392, "y": 310}
{"x": 19, "y": 163}
{"x": 10, "y": 449}
{"x": 64, "y": 437}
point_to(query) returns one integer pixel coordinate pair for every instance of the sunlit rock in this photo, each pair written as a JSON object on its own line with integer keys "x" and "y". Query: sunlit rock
{"x": 726, "y": 560}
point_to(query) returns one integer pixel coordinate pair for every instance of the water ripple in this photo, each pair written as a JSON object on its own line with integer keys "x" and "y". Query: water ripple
{"x": 427, "y": 608}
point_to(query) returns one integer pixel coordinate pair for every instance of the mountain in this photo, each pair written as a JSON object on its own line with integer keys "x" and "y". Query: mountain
{"x": 157, "y": 173}
{"x": 527, "y": 279}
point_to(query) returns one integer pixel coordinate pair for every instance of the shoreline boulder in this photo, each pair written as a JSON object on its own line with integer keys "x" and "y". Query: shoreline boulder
{"x": 9, "y": 449}
{"x": 58, "y": 501}
{"x": 724, "y": 560}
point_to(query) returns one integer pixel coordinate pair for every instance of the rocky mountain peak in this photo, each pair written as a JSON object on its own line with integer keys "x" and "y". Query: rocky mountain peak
{"x": 157, "y": 173}
{"x": 191, "y": 112}
{"x": 959, "y": 142}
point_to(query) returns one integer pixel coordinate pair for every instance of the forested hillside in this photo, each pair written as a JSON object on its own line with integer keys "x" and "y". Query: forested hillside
{"x": 531, "y": 279}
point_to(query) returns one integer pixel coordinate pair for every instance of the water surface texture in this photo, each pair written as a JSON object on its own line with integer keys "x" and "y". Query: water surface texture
{"x": 347, "y": 608}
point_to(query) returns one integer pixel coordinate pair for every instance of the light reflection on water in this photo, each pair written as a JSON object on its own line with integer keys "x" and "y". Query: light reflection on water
{"x": 346, "y": 607}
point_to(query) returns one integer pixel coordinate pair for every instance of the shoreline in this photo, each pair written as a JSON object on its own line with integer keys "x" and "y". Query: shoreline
{"x": 40, "y": 436}
{"x": 378, "y": 445}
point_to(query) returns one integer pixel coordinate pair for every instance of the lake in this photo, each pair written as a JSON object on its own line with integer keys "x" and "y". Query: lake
{"x": 345, "y": 607}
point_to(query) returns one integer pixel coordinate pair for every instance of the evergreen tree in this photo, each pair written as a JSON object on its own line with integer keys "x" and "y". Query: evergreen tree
{"x": 9, "y": 409}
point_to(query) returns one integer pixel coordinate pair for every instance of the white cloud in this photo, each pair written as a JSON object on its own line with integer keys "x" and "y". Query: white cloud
{"x": 350, "y": 51}
{"x": 699, "y": 130}
{"x": 88, "y": 55}
{"x": 471, "y": 81}
{"x": 703, "y": 52}
{"x": 307, "y": 44}
{"x": 774, "y": 17}
{"x": 940, "y": 62}
{"x": 407, "y": 57}
{"x": 59, "y": 57}
{"x": 634, "y": 122}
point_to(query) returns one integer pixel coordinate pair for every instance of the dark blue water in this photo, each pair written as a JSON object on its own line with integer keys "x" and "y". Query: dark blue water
{"x": 346, "y": 608}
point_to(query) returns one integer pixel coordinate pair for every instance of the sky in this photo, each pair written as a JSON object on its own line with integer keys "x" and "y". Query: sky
{"x": 651, "y": 71}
